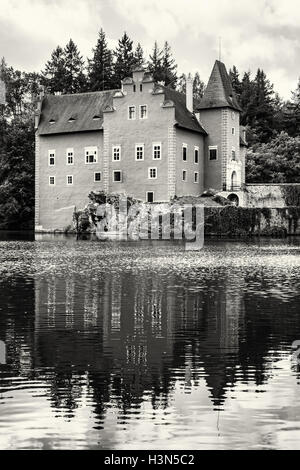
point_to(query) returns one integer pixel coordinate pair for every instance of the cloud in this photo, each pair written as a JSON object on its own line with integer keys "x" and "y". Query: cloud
{"x": 260, "y": 33}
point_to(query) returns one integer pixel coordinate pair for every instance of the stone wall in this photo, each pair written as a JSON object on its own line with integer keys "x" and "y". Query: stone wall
{"x": 272, "y": 195}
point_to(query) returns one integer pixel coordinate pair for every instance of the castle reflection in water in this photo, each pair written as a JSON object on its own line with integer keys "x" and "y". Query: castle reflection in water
{"x": 119, "y": 337}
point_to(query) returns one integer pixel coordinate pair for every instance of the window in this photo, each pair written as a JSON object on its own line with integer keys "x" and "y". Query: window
{"x": 91, "y": 154}
{"x": 116, "y": 153}
{"x": 184, "y": 152}
{"x": 196, "y": 155}
{"x": 213, "y": 153}
{"x": 233, "y": 154}
{"x": 183, "y": 175}
{"x": 233, "y": 130}
{"x": 141, "y": 87}
{"x": 52, "y": 180}
{"x": 69, "y": 180}
{"x": 117, "y": 176}
{"x": 97, "y": 177}
{"x": 143, "y": 111}
{"x": 134, "y": 88}
{"x": 131, "y": 112}
{"x": 196, "y": 177}
{"x": 70, "y": 157}
{"x": 233, "y": 115}
{"x": 150, "y": 196}
{"x": 51, "y": 156}
{"x": 156, "y": 151}
{"x": 152, "y": 173}
{"x": 139, "y": 151}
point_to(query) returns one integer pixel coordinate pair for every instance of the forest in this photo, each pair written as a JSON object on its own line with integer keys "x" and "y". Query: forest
{"x": 272, "y": 124}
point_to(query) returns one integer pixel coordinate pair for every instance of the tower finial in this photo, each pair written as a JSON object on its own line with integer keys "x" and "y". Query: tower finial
{"x": 220, "y": 48}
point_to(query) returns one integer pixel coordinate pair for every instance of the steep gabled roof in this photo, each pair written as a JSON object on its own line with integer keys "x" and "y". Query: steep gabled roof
{"x": 81, "y": 112}
{"x": 74, "y": 113}
{"x": 219, "y": 92}
{"x": 183, "y": 116}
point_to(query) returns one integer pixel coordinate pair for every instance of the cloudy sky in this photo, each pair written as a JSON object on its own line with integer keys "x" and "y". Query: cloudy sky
{"x": 256, "y": 33}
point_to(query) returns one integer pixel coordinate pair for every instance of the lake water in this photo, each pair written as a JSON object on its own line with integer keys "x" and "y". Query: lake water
{"x": 146, "y": 346}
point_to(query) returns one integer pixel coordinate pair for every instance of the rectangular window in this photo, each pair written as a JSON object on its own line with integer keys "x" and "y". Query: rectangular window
{"x": 116, "y": 153}
{"x": 156, "y": 151}
{"x": 143, "y": 111}
{"x": 69, "y": 180}
{"x": 196, "y": 177}
{"x": 131, "y": 112}
{"x": 152, "y": 173}
{"x": 117, "y": 176}
{"x": 183, "y": 175}
{"x": 233, "y": 130}
{"x": 213, "y": 153}
{"x": 233, "y": 154}
{"x": 184, "y": 152}
{"x": 52, "y": 180}
{"x": 97, "y": 177}
{"x": 196, "y": 155}
{"x": 139, "y": 151}
{"x": 70, "y": 157}
{"x": 51, "y": 156}
{"x": 91, "y": 155}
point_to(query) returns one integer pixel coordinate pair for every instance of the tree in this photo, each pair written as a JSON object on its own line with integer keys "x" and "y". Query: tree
{"x": 139, "y": 59}
{"x": 124, "y": 60}
{"x": 291, "y": 113}
{"x": 100, "y": 67}
{"x": 264, "y": 106}
{"x": 74, "y": 80}
{"x": 155, "y": 63}
{"x": 169, "y": 67}
{"x": 55, "y": 72}
{"x": 277, "y": 161}
{"x": 235, "y": 81}
{"x": 198, "y": 86}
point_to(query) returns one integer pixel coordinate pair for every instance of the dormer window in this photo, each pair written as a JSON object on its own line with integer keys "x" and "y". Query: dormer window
{"x": 52, "y": 121}
{"x": 72, "y": 119}
{"x": 96, "y": 117}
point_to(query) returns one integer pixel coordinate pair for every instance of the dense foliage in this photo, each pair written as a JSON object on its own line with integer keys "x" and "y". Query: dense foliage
{"x": 273, "y": 126}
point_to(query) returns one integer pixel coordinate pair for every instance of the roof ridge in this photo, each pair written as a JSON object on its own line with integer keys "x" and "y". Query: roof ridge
{"x": 84, "y": 93}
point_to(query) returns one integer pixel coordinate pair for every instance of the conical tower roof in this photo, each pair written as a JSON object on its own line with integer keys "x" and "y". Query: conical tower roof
{"x": 219, "y": 92}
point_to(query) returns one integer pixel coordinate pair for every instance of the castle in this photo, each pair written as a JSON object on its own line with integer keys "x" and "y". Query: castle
{"x": 144, "y": 140}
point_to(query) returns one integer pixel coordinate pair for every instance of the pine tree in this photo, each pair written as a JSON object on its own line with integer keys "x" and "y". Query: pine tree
{"x": 264, "y": 106}
{"x": 155, "y": 63}
{"x": 124, "y": 59}
{"x": 169, "y": 67}
{"x": 235, "y": 81}
{"x": 54, "y": 75}
{"x": 75, "y": 80}
{"x": 139, "y": 59}
{"x": 291, "y": 113}
{"x": 198, "y": 86}
{"x": 100, "y": 67}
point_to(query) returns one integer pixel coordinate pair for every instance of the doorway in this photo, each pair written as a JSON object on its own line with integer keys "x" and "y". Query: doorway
{"x": 150, "y": 196}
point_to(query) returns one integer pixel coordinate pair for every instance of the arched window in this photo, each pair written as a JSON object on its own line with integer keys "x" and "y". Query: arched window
{"x": 233, "y": 181}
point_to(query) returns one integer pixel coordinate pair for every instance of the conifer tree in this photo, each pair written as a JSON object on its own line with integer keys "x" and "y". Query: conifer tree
{"x": 75, "y": 80}
{"x": 264, "y": 106}
{"x": 124, "y": 59}
{"x": 53, "y": 76}
{"x": 169, "y": 67}
{"x": 100, "y": 67}
{"x": 155, "y": 63}
{"x": 139, "y": 59}
{"x": 235, "y": 81}
{"x": 198, "y": 86}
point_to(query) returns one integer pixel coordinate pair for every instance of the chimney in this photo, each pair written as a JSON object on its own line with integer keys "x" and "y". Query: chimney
{"x": 189, "y": 93}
